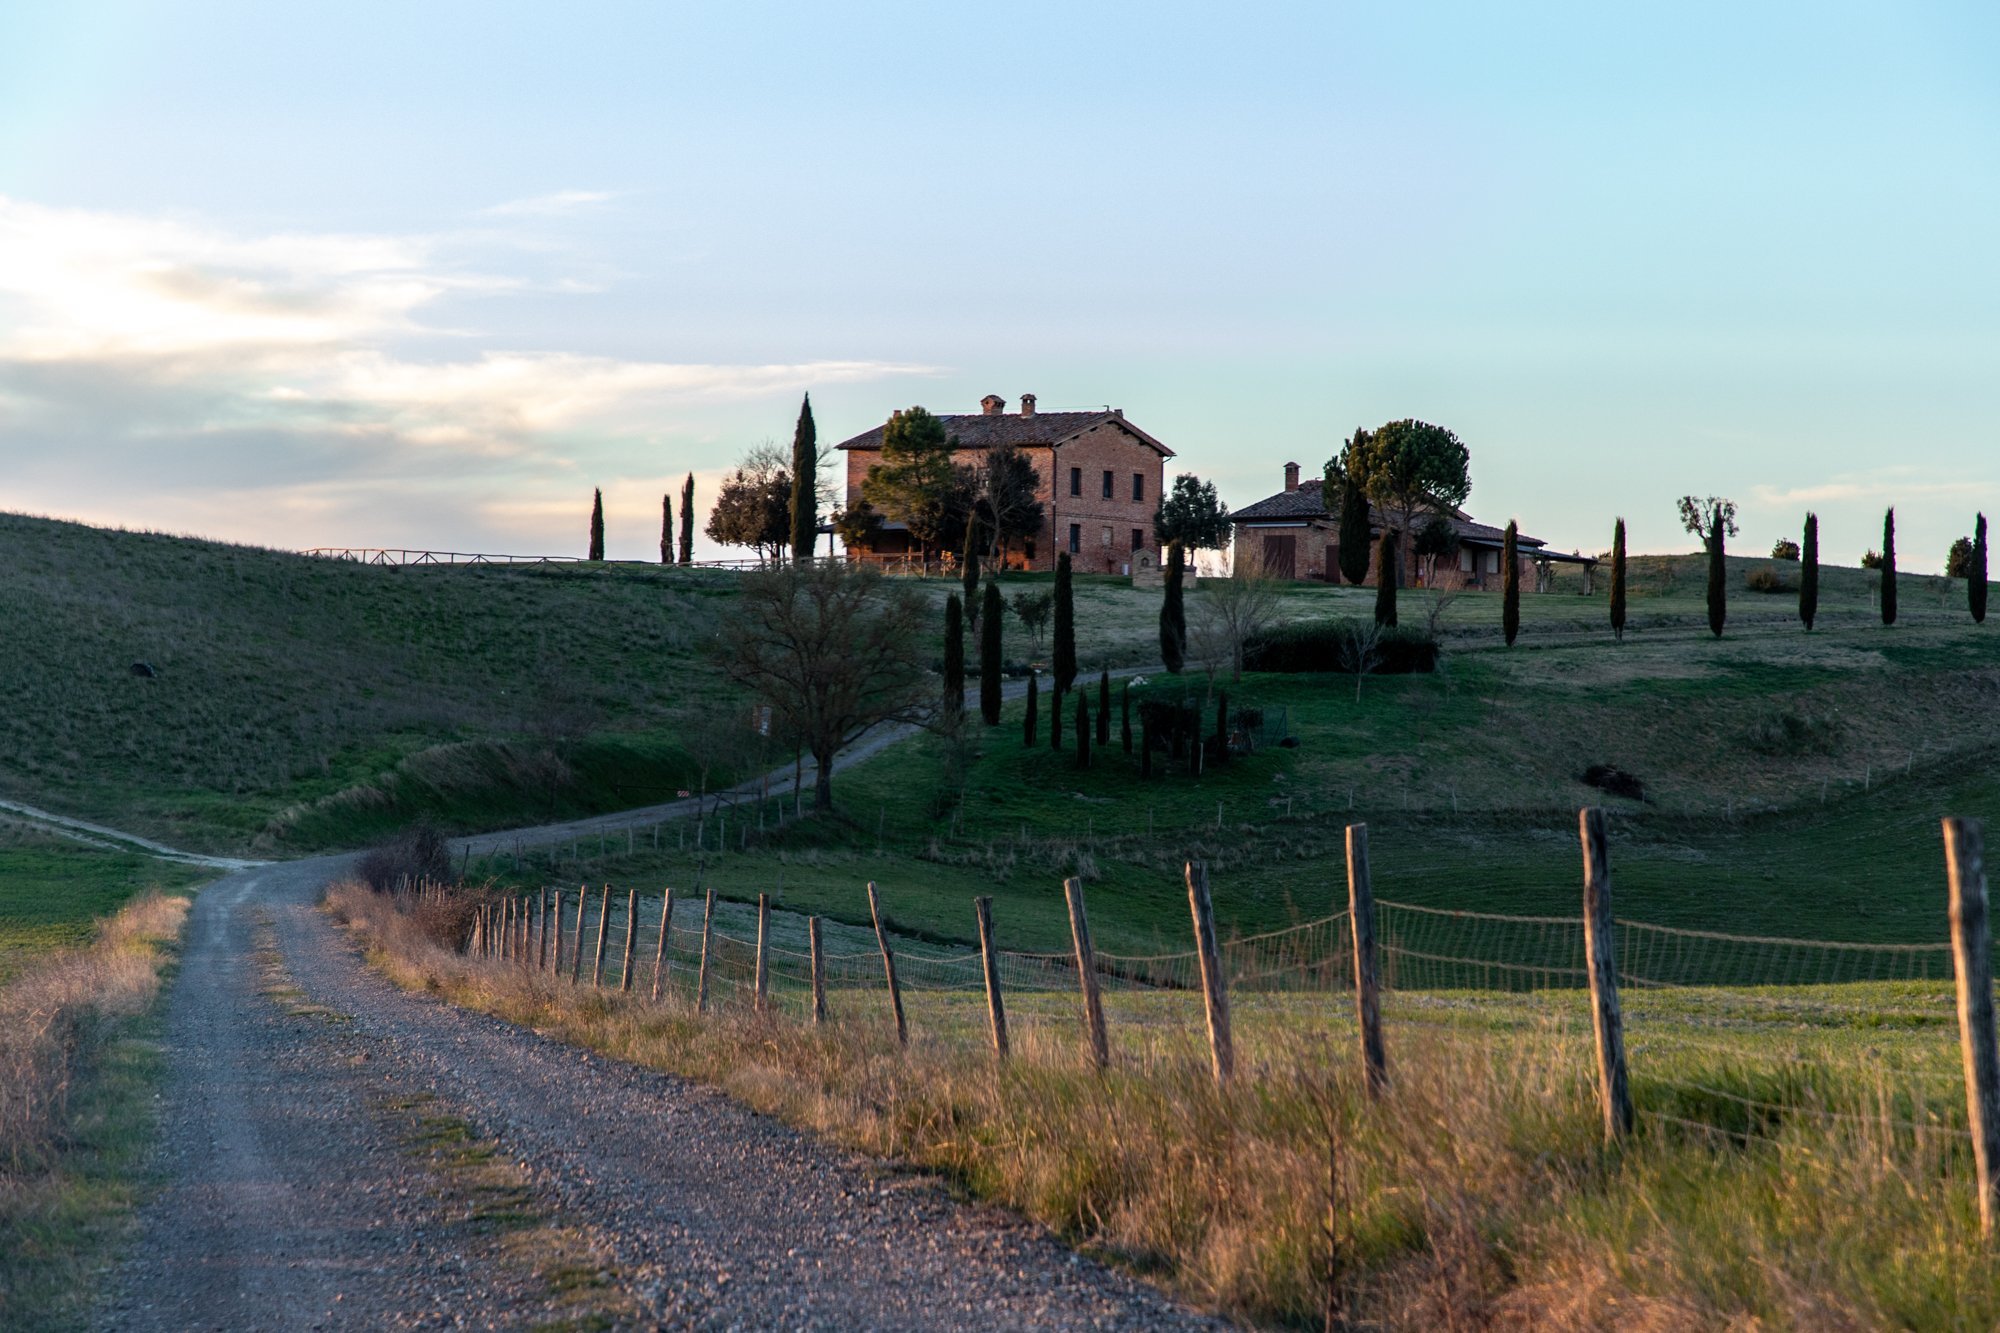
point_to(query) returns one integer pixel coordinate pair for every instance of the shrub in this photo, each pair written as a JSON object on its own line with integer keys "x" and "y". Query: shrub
{"x": 1615, "y": 781}
{"x": 416, "y": 855}
{"x": 1767, "y": 580}
{"x": 1328, "y": 645}
{"x": 1785, "y": 549}
{"x": 1871, "y": 559}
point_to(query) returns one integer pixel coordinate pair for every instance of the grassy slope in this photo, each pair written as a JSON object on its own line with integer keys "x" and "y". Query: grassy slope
{"x": 1470, "y": 780}
{"x": 54, "y": 891}
{"x": 289, "y": 687}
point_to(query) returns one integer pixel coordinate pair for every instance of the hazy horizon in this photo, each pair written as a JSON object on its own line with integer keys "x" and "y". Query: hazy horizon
{"x": 396, "y": 277}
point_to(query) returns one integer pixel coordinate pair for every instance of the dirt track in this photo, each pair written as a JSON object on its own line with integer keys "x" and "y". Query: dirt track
{"x": 291, "y": 1197}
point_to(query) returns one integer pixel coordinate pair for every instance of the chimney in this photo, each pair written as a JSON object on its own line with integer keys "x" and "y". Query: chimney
{"x": 992, "y": 404}
{"x": 1027, "y": 404}
{"x": 1291, "y": 476}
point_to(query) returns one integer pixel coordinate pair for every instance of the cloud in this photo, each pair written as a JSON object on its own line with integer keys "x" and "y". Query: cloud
{"x": 300, "y": 373}
{"x": 558, "y": 204}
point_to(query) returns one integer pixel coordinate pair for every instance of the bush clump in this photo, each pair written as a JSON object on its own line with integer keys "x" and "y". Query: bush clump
{"x": 1793, "y": 733}
{"x": 1614, "y": 781}
{"x": 1768, "y": 580}
{"x": 417, "y": 855}
{"x": 1330, "y": 645}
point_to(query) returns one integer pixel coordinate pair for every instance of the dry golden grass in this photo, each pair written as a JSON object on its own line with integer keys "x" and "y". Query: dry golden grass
{"x": 1478, "y": 1195}
{"x": 53, "y": 1014}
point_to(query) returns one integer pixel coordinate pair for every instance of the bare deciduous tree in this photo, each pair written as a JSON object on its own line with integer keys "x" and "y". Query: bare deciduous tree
{"x": 1230, "y": 612}
{"x": 835, "y": 650}
{"x": 1364, "y": 648}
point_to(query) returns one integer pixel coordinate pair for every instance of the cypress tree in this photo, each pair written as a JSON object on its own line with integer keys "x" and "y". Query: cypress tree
{"x": 1510, "y": 583}
{"x": 969, "y": 567}
{"x": 954, "y": 656}
{"x": 1083, "y": 728}
{"x": 1889, "y": 567}
{"x": 1104, "y": 707}
{"x": 1065, "y": 650}
{"x": 687, "y": 520}
{"x": 1028, "y": 727}
{"x": 1618, "y": 581}
{"x": 667, "y": 529}
{"x": 1173, "y": 614}
{"x": 1718, "y": 576}
{"x": 1975, "y": 586}
{"x": 1055, "y": 717}
{"x": 1809, "y": 573}
{"x": 1353, "y": 554}
{"x": 989, "y": 656}
{"x": 1125, "y": 716}
{"x": 596, "y": 524}
{"x": 1385, "y": 581}
{"x": 805, "y": 485}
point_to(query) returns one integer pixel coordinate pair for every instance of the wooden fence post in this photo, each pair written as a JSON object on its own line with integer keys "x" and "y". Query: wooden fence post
{"x": 996, "y": 1012}
{"x": 542, "y": 925}
{"x": 660, "y": 954}
{"x": 559, "y": 932}
{"x": 504, "y": 928}
{"x": 818, "y": 972}
{"x": 576, "y": 943}
{"x": 603, "y": 925}
{"x": 1972, "y": 959}
{"x": 1367, "y": 984}
{"x": 763, "y": 952}
{"x": 707, "y": 932}
{"x": 1601, "y": 956}
{"x": 1214, "y": 988}
{"x": 888, "y": 966}
{"x": 1086, "y": 971}
{"x": 631, "y": 938}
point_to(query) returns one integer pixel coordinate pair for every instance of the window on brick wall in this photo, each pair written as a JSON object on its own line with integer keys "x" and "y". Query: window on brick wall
{"x": 1076, "y": 481}
{"x": 1138, "y": 487}
{"x": 1138, "y": 539}
{"x": 1107, "y": 483}
{"x": 1075, "y": 538}
{"x": 1107, "y": 539}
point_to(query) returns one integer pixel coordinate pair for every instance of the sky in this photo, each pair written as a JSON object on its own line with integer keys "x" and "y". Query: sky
{"x": 423, "y": 275}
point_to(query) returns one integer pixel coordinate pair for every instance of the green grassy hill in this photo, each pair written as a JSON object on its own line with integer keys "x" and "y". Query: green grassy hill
{"x": 304, "y": 703}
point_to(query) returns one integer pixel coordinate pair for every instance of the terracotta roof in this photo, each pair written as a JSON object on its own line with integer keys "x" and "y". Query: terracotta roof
{"x": 982, "y": 430}
{"x": 1307, "y": 501}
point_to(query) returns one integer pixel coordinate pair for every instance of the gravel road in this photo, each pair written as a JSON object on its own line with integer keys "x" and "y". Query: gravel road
{"x": 291, "y": 1197}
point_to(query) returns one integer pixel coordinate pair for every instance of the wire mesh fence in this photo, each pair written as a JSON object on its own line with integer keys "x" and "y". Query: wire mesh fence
{"x": 1731, "y": 1034}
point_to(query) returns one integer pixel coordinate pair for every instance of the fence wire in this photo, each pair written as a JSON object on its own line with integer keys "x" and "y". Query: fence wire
{"x": 1735, "y": 1035}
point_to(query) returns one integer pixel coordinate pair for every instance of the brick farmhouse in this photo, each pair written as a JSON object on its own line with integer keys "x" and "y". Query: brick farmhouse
{"x": 1098, "y": 477}
{"x": 1296, "y": 537}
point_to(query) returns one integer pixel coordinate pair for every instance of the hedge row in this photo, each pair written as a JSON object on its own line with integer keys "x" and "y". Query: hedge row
{"x": 1330, "y": 645}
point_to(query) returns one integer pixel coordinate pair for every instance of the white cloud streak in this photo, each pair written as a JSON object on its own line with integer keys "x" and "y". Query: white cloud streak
{"x": 302, "y": 368}
{"x": 558, "y": 204}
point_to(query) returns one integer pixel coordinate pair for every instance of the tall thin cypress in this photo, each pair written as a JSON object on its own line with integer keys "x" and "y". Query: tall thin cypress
{"x": 989, "y": 656}
{"x": 667, "y": 529}
{"x": 596, "y": 524}
{"x": 1889, "y": 567}
{"x": 1618, "y": 581}
{"x": 1718, "y": 575}
{"x": 954, "y": 656}
{"x": 969, "y": 567}
{"x": 1353, "y": 551}
{"x": 1809, "y": 573}
{"x": 1083, "y": 728}
{"x": 1510, "y": 583}
{"x": 1125, "y": 716}
{"x": 805, "y": 483}
{"x": 1385, "y": 580}
{"x": 1065, "y": 650}
{"x": 1975, "y": 583}
{"x": 1055, "y": 717}
{"x": 1028, "y": 727}
{"x": 1104, "y": 707}
{"x": 1173, "y": 613}
{"x": 687, "y": 520}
